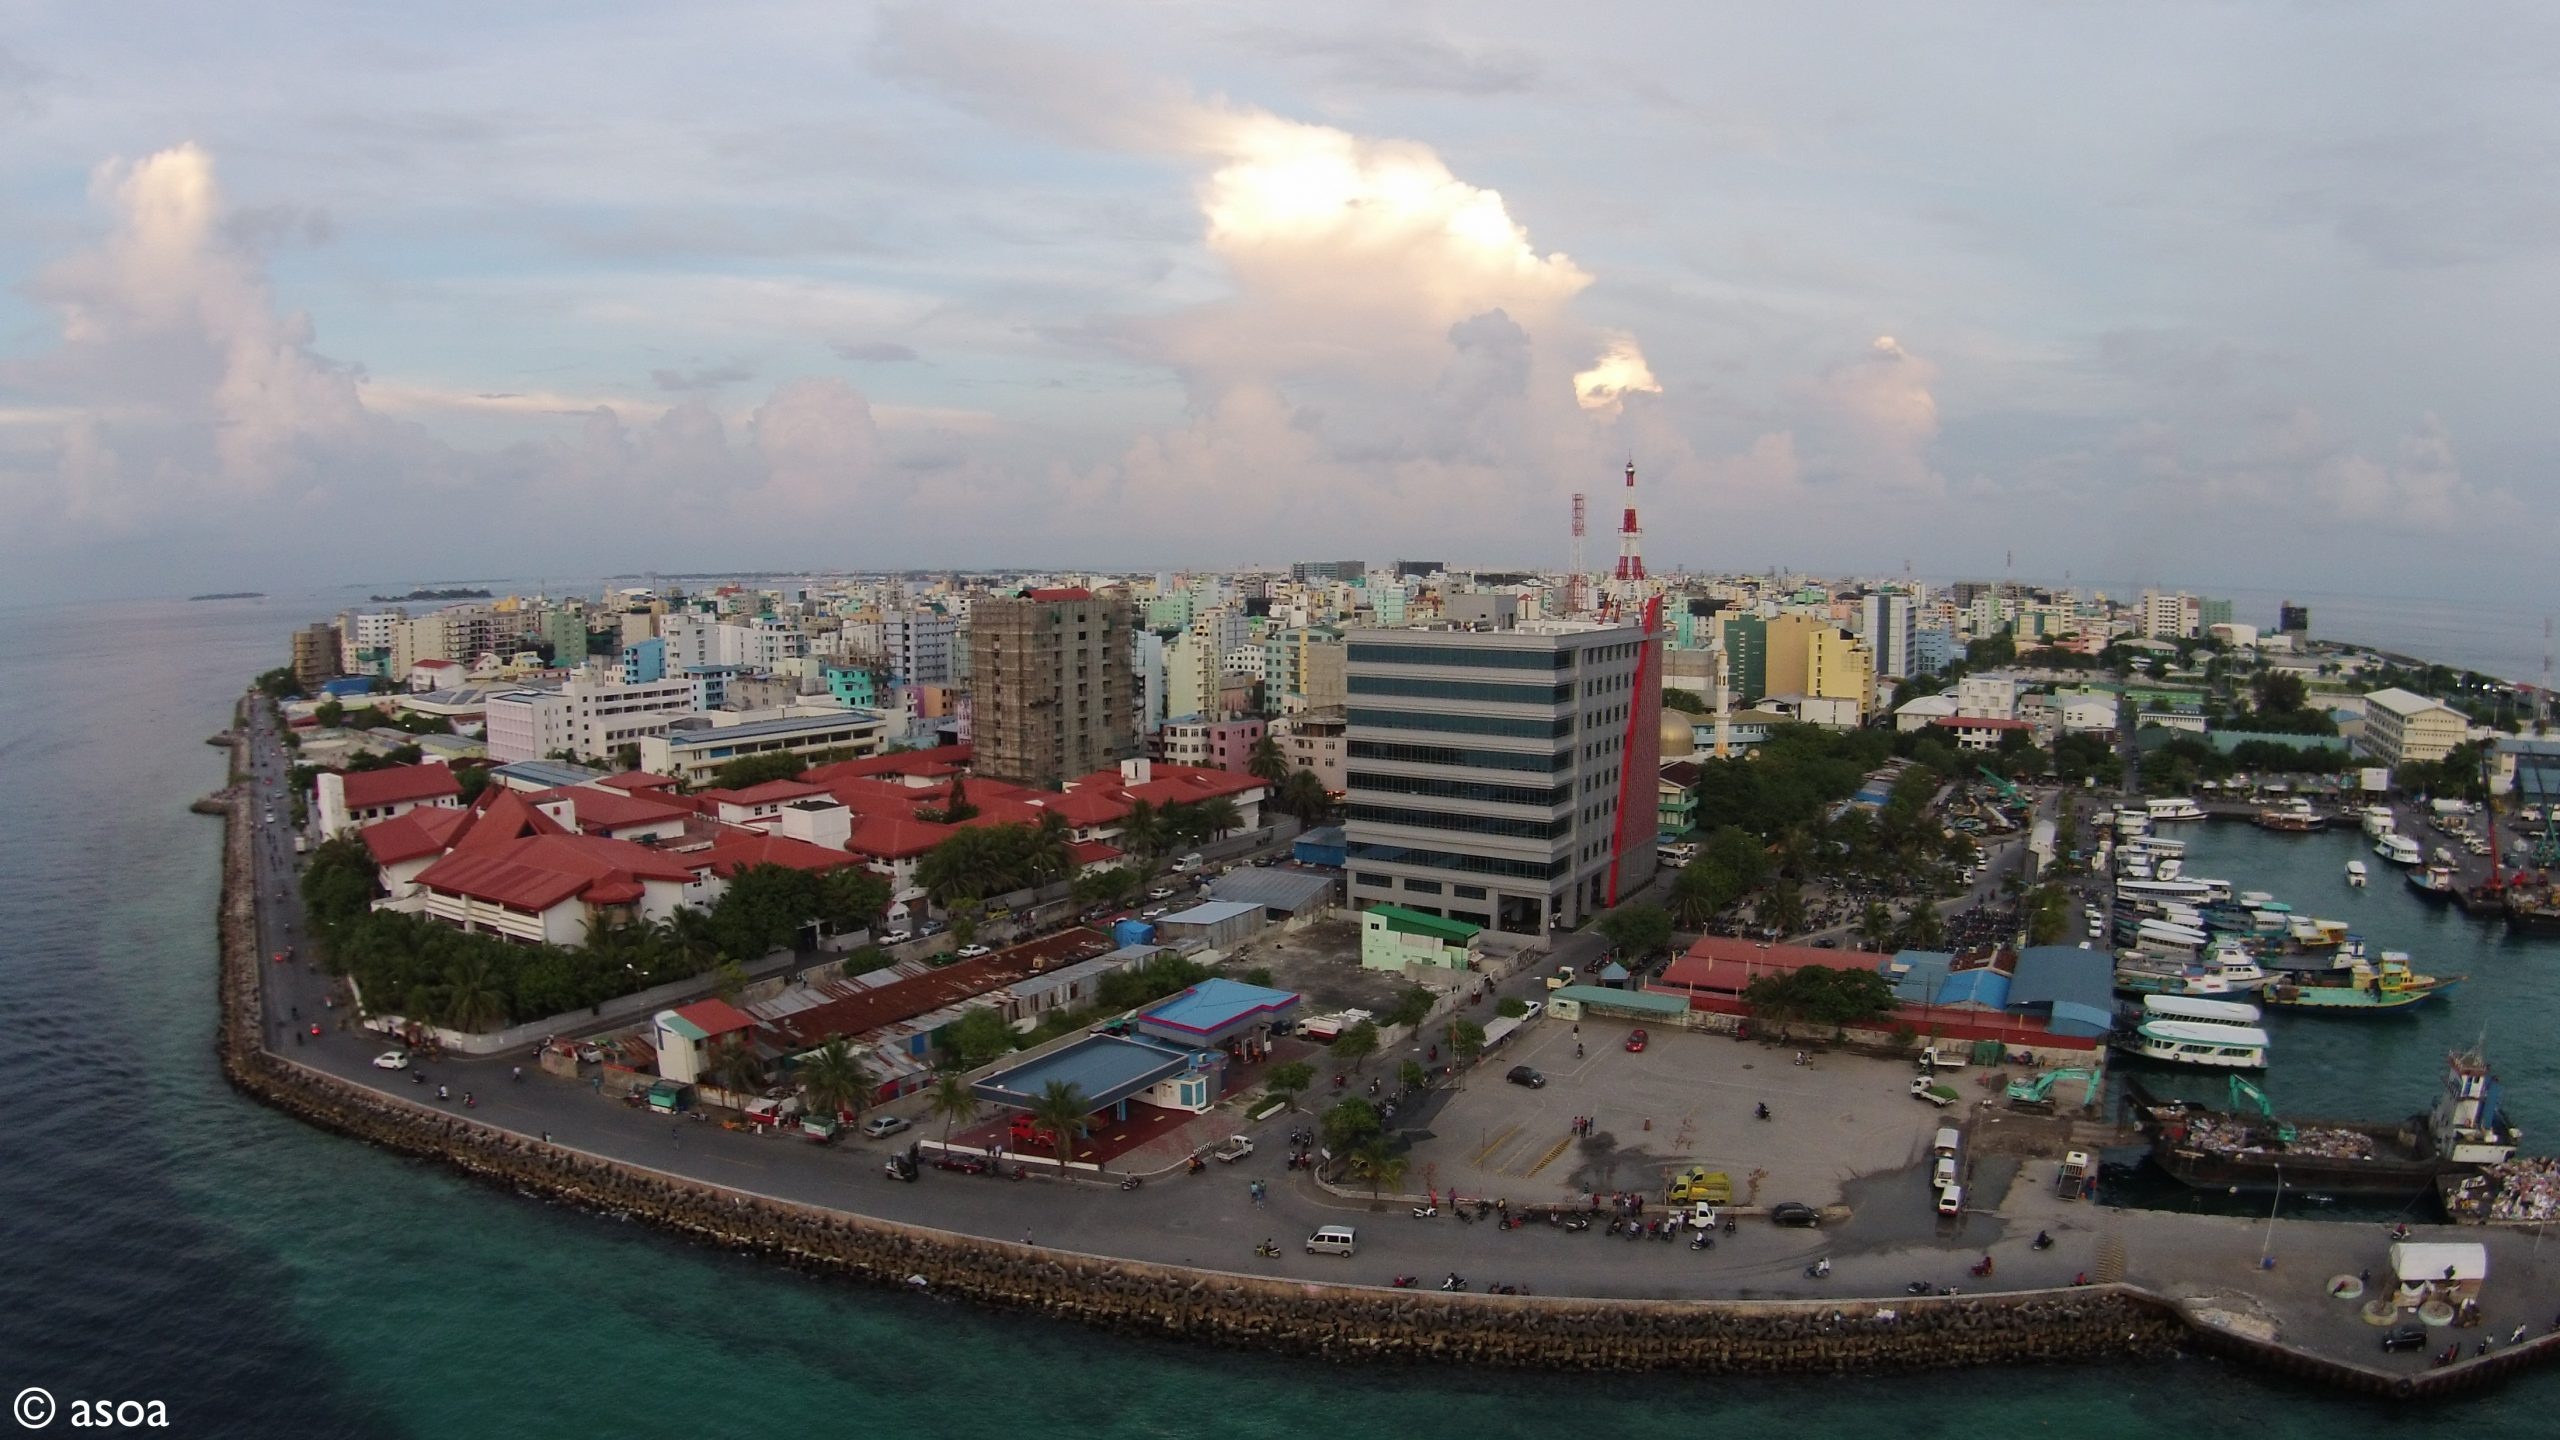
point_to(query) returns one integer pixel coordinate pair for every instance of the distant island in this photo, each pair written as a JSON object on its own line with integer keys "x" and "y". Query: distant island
{"x": 458, "y": 593}
{"x": 232, "y": 595}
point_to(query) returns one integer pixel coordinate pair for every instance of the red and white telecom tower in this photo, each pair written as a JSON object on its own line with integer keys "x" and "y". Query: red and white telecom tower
{"x": 1630, "y": 579}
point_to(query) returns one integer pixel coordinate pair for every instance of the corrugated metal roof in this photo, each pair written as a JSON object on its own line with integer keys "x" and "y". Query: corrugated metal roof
{"x": 1213, "y": 913}
{"x": 1276, "y": 888}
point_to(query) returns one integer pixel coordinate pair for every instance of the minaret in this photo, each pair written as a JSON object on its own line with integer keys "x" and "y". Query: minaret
{"x": 1630, "y": 577}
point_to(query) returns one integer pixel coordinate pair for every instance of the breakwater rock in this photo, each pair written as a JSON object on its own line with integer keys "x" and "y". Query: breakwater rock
{"x": 2099, "y": 1323}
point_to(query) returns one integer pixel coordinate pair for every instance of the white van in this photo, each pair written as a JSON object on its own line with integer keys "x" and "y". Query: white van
{"x": 1944, "y": 1173}
{"x": 1951, "y": 1200}
{"x": 1188, "y": 863}
{"x": 1946, "y": 1141}
{"x": 1334, "y": 1240}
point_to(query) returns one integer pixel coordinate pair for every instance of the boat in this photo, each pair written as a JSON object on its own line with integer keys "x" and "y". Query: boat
{"x": 2378, "y": 822}
{"x": 2386, "y": 984}
{"x": 2228, "y": 970}
{"x": 2291, "y": 816}
{"x": 2435, "y": 884}
{"x": 2177, "y": 809}
{"x": 2532, "y": 903}
{"x": 2248, "y": 1148}
{"x": 2196, "y": 1042}
{"x": 2304, "y": 935}
{"x": 2398, "y": 849}
{"x": 2189, "y": 1007}
{"x": 2356, "y": 873}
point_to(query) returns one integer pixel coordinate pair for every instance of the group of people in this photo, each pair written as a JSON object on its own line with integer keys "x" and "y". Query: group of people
{"x": 1585, "y": 1125}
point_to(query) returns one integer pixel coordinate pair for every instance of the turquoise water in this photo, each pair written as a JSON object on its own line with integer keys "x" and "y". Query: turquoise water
{"x": 169, "y": 1241}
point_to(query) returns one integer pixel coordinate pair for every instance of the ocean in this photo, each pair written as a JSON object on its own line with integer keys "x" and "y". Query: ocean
{"x": 169, "y": 1241}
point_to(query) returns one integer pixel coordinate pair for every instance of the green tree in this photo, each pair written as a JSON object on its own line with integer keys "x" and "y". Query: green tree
{"x": 1511, "y": 1007}
{"x": 1923, "y": 928}
{"x": 1303, "y": 798}
{"x": 1143, "y": 831}
{"x": 1060, "y": 1109}
{"x": 756, "y": 770}
{"x": 1379, "y": 1163}
{"x": 738, "y": 1069}
{"x": 470, "y": 999}
{"x": 1466, "y": 1039}
{"x": 978, "y": 1036}
{"x": 1266, "y": 763}
{"x": 1411, "y": 1006}
{"x": 2048, "y": 915}
{"x": 952, "y": 1100}
{"x": 764, "y": 909}
{"x": 1289, "y": 1080}
{"x": 1637, "y": 930}
{"x": 1688, "y": 702}
{"x": 1875, "y": 926}
{"x": 851, "y": 898}
{"x": 1820, "y": 995}
{"x": 1412, "y": 1075}
{"x": 1782, "y": 909}
{"x": 1348, "y": 1123}
{"x": 1217, "y": 817}
{"x": 728, "y": 978}
{"x": 1356, "y": 1044}
{"x": 473, "y": 779}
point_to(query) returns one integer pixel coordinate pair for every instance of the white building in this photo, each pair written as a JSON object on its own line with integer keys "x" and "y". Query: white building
{"x": 2401, "y": 726}
{"x": 2169, "y": 617}
{"x": 1987, "y": 697}
{"x": 588, "y": 719}
{"x": 916, "y": 645}
{"x": 692, "y": 747}
{"x": 1891, "y": 632}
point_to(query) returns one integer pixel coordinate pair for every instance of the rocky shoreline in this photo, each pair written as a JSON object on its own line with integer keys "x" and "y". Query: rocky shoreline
{"x": 2109, "y": 1323}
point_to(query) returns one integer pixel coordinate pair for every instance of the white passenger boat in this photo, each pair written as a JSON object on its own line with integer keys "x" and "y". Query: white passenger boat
{"x": 2177, "y": 809}
{"x": 2357, "y": 874}
{"x": 2189, "y": 1007}
{"x": 2399, "y": 850}
{"x": 2192, "y": 1042}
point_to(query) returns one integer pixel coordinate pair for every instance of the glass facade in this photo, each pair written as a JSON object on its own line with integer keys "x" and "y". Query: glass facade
{"x": 1518, "y": 829}
{"x": 1473, "y": 864}
{"x": 1459, "y": 755}
{"x": 1473, "y": 657}
{"x": 1485, "y": 691}
{"x": 1546, "y": 797}
{"x": 1525, "y": 729}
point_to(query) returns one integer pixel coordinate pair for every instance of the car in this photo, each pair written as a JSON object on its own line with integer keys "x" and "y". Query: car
{"x": 931, "y": 927}
{"x": 879, "y": 1125}
{"x": 1161, "y": 892}
{"x": 2405, "y": 1337}
{"x": 1636, "y": 1041}
{"x": 391, "y": 1060}
{"x": 1794, "y": 1212}
{"x": 1533, "y": 1010}
{"x": 271, "y": 817}
{"x": 896, "y": 937}
{"x": 1826, "y": 943}
{"x": 1523, "y": 1075}
{"x": 973, "y": 951}
{"x": 1154, "y": 913}
{"x": 965, "y": 1164}
{"x": 1232, "y": 1149}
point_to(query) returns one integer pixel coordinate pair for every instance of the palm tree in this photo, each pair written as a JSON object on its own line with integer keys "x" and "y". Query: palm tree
{"x": 469, "y": 999}
{"x": 1217, "y": 816}
{"x": 952, "y": 1102}
{"x": 1782, "y": 909}
{"x": 1875, "y": 927}
{"x": 1303, "y": 798}
{"x": 1142, "y": 831}
{"x": 833, "y": 1079}
{"x": 1378, "y": 1163}
{"x": 1266, "y": 763}
{"x": 1061, "y": 1110}
{"x": 738, "y": 1068}
{"x": 1045, "y": 851}
{"x": 1923, "y": 928}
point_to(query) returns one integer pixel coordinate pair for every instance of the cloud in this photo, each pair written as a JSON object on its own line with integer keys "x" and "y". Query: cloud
{"x": 1619, "y": 372}
{"x": 1875, "y": 419}
{"x": 709, "y": 378}
{"x": 1406, "y": 60}
{"x": 23, "y": 87}
{"x": 875, "y": 352}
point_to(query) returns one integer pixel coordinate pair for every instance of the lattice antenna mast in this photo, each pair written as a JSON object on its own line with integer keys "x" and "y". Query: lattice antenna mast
{"x": 1581, "y": 575}
{"x": 1630, "y": 544}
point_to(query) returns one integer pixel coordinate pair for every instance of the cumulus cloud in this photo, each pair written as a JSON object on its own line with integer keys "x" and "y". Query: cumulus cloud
{"x": 876, "y": 352}
{"x": 1875, "y": 419}
{"x": 711, "y": 377}
{"x": 1619, "y": 372}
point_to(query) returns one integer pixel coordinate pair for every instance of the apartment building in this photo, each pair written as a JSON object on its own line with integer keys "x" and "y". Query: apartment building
{"x": 916, "y": 645}
{"x": 1891, "y": 626}
{"x": 315, "y": 655}
{"x": 1488, "y": 769}
{"x": 1211, "y": 743}
{"x": 694, "y": 747}
{"x": 2401, "y": 726}
{"x": 1054, "y": 697}
{"x": 589, "y": 718}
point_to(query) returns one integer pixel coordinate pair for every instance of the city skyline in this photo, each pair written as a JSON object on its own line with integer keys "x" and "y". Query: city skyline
{"x": 2202, "y": 303}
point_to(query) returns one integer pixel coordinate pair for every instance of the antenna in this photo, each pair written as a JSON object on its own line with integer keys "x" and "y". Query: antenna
{"x": 2542, "y": 698}
{"x": 1573, "y": 588}
{"x": 1630, "y": 543}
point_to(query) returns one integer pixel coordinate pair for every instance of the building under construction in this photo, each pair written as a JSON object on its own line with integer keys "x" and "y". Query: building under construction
{"x": 1054, "y": 695}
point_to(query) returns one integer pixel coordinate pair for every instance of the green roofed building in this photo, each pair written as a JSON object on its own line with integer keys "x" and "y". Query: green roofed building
{"x": 1392, "y": 937}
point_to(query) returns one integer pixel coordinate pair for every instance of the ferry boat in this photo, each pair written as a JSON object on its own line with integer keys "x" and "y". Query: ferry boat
{"x": 2177, "y": 809}
{"x": 2356, "y": 874}
{"x": 2291, "y": 816}
{"x": 2247, "y": 1148}
{"x": 2378, "y": 822}
{"x": 2385, "y": 985}
{"x": 2199, "y": 1009}
{"x": 2435, "y": 884}
{"x": 2131, "y": 824}
{"x": 2398, "y": 849}
{"x": 2153, "y": 979}
{"x": 2196, "y": 1042}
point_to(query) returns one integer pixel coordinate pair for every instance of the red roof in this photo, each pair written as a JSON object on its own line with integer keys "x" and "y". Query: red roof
{"x": 886, "y": 838}
{"x": 503, "y": 816}
{"x": 1072, "y": 592}
{"x": 1720, "y": 965}
{"x": 639, "y": 780}
{"x": 1981, "y": 722}
{"x": 771, "y": 792}
{"x": 600, "y": 810}
{"x": 1092, "y": 852}
{"x": 367, "y": 789}
{"x": 738, "y": 849}
{"x": 938, "y": 761}
{"x": 716, "y": 1017}
{"x": 540, "y": 871}
{"x": 859, "y": 1014}
{"x": 427, "y": 830}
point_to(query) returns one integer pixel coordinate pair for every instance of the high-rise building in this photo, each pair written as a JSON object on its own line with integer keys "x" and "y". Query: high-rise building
{"x": 2168, "y": 617}
{"x": 315, "y": 655}
{"x": 1892, "y": 634}
{"x": 1319, "y": 571}
{"x": 1502, "y": 775}
{"x": 1746, "y": 656}
{"x": 2294, "y": 620}
{"x": 917, "y": 645}
{"x": 1054, "y": 695}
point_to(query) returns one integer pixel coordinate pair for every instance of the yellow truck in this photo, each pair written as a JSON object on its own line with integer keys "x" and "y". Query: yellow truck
{"x": 1699, "y": 1183}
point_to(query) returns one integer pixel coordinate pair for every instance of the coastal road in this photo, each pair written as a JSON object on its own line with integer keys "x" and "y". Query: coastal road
{"x": 1211, "y": 1221}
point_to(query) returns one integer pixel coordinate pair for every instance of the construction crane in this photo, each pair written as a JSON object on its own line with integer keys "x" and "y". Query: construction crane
{"x": 2039, "y": 1091}
{"x": 2245, "y": 1096}
{"x": 2008, "y": 792}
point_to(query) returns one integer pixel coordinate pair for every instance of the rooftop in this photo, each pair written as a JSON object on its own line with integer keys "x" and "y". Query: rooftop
{"x": 1215, "y": 1006}
{"x": 1414, "y": 922}
{"x": 1105, "y": 1069}
{"x": 392, "y": 785}
{"x": 719, "y": 735}
{"x": 1212, "y": 913}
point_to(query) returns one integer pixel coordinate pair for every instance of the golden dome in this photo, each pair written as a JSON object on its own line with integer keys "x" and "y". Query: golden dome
{"x": 1679, "y": 734}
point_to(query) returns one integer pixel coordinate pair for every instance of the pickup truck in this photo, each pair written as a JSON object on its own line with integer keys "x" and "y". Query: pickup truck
{"x": 1232, "y": 1149}
{"x": 1935, "y": 1058}
{"x": 1923, "y": 1088}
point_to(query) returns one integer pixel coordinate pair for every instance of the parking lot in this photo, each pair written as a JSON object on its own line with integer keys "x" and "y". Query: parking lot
{"x": 1689, "y": 1098}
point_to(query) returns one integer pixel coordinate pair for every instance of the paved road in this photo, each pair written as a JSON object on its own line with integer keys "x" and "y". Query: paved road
{"x": 1210, "y": 1220}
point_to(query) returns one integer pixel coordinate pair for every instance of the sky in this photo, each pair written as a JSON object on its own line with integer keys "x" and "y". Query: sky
{"x": 2177, "y": 294}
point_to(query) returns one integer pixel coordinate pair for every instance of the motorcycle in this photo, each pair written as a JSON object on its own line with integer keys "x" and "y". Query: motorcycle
{"x": 1130, "y": 1183}
{"x": 1267, "y": 1250}
{"x": 1817, "y": 1270}
{"x": 1425, "y": 1212}
{"x": 2043, "y": 1241}
{"x": 1402, "y": 1282}
{"x": 1577, "y": 1225}
{"x": 1728, "y": 1224}
{"x": 1921, "y": 1287}
{"x": 469, "y": 1103}
{"x": 1762, "y": 1112}
{"x": 1195, "y": 1167}
{"x": 1455, "y": 1281}
{"x": 1460, "y": 1211}
{"x": 1982, "y": 1266}
{"x": 441, "y": 1094}
{"x": 1703, "y": 1241}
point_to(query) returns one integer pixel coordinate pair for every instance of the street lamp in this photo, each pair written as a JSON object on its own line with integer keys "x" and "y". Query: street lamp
{"x": 2266, "y": 1251}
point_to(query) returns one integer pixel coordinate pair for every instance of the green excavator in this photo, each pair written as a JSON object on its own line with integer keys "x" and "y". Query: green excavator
{"x": 2245, "y": 1096}
{"x": 2039, "y": 1091}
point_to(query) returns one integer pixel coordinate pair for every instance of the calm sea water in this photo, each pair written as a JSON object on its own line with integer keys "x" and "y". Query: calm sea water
{"x": 166, "y": 1240}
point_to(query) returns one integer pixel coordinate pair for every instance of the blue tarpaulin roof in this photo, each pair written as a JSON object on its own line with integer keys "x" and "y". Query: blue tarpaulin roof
{"x": 1106, "y": 1069}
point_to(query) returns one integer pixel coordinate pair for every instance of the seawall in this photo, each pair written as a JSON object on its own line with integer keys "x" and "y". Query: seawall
{"x": 2099, "y": 1323}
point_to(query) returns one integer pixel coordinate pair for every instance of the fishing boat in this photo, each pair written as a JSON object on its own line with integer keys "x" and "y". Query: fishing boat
{"x": 2295, "y": 817}
{"x": 2304, "y": 935}
{"x": 2386, "y": 984}
{"x": 2356, "y": 874}
{"x": 2398, "y": 849}
{"x": 2196, "y": 1042}
{"x": 2434, "y": 884}
{"x": 2248, "y": 1148}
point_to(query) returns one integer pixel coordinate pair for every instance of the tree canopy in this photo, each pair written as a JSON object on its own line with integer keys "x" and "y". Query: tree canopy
{"x": 1820, "y": 995}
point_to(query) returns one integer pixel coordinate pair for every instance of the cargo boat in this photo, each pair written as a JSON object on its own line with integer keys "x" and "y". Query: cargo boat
{"x": 2434, "y": 884}
{"x": 2463, "y": 1134}
{"x": 2379, "y": 988}
{"x": 2295, "y": 817}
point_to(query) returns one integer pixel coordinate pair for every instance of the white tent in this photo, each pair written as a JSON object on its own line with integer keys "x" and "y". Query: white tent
{"x": 2432, "y": 1267}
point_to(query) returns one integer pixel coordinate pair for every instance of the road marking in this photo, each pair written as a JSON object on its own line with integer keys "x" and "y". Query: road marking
{"x": 1548, "y": 1159}
{"x": 1496, "y": 1143}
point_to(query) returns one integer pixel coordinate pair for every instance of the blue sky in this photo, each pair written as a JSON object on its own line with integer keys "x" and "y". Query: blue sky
{"x": 2187, "y": 294}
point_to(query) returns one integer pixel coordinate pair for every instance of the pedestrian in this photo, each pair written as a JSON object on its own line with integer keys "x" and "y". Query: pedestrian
{"x": 2517, "y": 1337}
{"x": 1026, "y": 1237}
{"x": 675, "y": 1135}
{"x": 546, "y": 1137}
